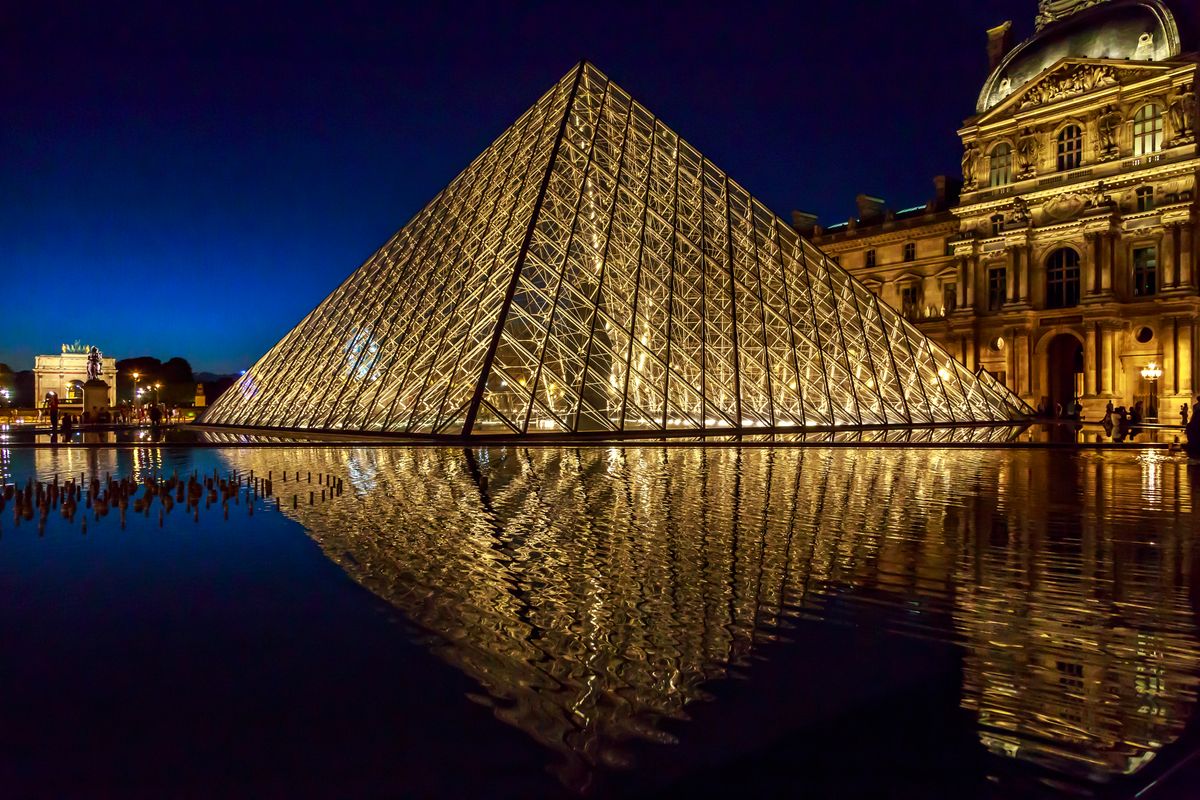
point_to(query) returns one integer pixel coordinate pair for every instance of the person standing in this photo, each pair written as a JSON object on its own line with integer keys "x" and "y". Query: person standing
{"x": 52, "y": 403}
{"x": 1183, "y": 414}
{"x": 1193, "y": 434}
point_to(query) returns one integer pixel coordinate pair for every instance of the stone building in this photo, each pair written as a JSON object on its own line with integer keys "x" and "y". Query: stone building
{"x": 65, "y": 373}
{"x": 1066, "y": 261}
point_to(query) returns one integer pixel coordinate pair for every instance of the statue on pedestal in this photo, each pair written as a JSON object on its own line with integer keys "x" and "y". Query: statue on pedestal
{"x": 94, "y": 364}
{"x": 968, "y": 166}
{"x": 1182, "y": 113}
{"x": 1029, "y": 148}
{"x": 1110, "y": 125}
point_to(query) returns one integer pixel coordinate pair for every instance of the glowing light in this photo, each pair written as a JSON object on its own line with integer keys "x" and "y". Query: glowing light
{"x": 1152, "y": 371}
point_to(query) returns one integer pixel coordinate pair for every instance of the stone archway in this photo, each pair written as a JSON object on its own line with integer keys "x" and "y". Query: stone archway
{"x": 1064, "y": 372}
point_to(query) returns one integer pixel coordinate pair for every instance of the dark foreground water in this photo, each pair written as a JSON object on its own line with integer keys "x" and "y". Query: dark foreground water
{"x": 639, "y": 621}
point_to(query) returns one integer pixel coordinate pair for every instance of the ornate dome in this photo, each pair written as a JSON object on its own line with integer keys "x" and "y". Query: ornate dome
{"x": 1137, "y": 30}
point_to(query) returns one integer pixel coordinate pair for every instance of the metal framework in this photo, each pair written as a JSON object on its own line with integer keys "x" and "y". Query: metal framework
{"x": 591, "y": 272}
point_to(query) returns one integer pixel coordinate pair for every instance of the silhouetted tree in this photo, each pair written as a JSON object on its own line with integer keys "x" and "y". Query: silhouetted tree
{"x": 179, "y": 384}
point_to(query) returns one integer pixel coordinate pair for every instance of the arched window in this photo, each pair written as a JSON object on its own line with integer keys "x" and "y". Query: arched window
{"x": 1062, "y": 279}
{"x": 1001, "y": 165}
{"x": 1070, "y": 147}
{"x": 1147, "y": 130}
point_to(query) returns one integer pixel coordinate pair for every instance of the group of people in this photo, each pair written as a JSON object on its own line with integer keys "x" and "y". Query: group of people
{"x": 1126, "y": 419}
{"x": 1074, "y": 410}
{"x": 1121, "y": 422}
{"x": 122, "y": 414}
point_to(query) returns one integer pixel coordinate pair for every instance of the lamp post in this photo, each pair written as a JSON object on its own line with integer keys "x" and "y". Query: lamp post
{"x": 1151, "y": 373}
{"x": 136, "y": 392}
{"x": 157, "y": 386}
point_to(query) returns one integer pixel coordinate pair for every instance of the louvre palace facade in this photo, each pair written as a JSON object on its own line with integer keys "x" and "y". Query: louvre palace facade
{"x": 1065, "y": 262}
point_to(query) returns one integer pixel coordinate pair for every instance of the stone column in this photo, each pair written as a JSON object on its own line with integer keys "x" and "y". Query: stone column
{"x": 1187, "y": 255}
{"x": 1169, "y": 272}
{"x": 1170, "y": 360}
{"x": 1185, "y": 358}
{"x": 1010, "y": 360}
{"x": 1107, "y": 360}
{"x": 961, "y": 291}
{"x": 1090, "y": 275}
{"x": 1022, "y": 362}
{"x": 1026, "y": 255}
{"x": 1106, "y": 263}
{"x": 971, "y": 270}
{"x": 1010, "y": 275}
{"x": 1090, "y": 353}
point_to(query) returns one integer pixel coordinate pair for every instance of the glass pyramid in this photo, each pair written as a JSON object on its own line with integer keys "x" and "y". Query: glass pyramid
{"x": 592, "y": 272}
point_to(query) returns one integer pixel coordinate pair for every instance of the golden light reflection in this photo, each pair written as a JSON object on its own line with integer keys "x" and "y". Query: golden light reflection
{"x": 592, "y": 593}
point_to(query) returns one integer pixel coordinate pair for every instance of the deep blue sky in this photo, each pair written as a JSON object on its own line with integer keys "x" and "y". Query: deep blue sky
{"x": 191, "y": 180}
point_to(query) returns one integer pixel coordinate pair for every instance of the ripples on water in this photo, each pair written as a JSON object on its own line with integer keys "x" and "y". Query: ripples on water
{"x": 595, "y": 593}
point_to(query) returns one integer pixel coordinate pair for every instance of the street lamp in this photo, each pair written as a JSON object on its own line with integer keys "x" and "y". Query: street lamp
{"x": 1151, "y": 373}
{"x": 136, "y": 390}
{"x": 157, "y": 386}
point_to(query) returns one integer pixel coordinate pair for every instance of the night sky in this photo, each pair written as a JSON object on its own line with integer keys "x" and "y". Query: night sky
{"x": 191, "y": 181}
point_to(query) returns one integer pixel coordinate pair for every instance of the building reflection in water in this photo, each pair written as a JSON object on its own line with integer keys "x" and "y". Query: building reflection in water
{"x": 593, "y": 592}
{"x": 1073, "y": 603}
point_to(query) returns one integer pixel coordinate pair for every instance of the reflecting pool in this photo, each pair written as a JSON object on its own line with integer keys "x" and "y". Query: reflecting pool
{"x": 616, "y": 621}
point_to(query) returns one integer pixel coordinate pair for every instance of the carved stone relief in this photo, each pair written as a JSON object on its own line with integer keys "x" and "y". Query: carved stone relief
{"x": 1109, "y": 127}
{"x": 1083, "y": 78}
{"x": 1181, "y": 112}
{"x": 1054, "y": 10}
{"x": 1029, "y": 150}
{"x": 969, "y": 159}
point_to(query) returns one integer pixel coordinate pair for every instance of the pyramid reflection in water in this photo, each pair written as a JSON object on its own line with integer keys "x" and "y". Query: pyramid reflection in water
{"x": 592, "y": 272}
{"x": 595, "y": 593}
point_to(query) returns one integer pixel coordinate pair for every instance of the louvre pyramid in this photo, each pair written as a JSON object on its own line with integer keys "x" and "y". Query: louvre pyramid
{"x": 592, "y": 272}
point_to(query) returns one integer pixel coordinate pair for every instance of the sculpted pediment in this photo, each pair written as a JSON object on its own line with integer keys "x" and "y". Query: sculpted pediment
{"x": 1071, "y": 78}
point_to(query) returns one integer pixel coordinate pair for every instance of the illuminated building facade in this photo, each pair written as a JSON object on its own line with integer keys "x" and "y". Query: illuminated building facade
{"x": 1068, "y": 263}
{"x": 591, "y": 273}
{"x": 65, "y": 373}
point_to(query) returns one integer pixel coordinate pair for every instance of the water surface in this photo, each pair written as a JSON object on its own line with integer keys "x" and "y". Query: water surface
{"x": 515, "y": 621}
